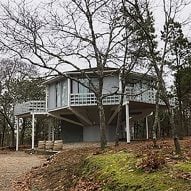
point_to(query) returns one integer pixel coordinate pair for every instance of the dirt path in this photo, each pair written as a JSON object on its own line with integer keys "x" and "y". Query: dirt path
{"x": 13, "y": 164}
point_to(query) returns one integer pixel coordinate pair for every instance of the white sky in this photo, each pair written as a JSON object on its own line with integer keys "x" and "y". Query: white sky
{"x": 157, "y": 11}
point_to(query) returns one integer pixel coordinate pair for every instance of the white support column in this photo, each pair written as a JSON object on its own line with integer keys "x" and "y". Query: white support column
{"x": 127, "y": 123}
{"x": 147, "y": 127}
{"x": 69, "y": 90}
{"x": 17, "y": 135}
{"x": 46, "y": 98}
{"x": 33, "y": 130}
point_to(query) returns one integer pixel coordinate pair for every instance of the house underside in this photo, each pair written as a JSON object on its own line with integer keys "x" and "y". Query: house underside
{"x": 81, "y": 123}
{"x": 84, "y": 121}
{"x": 75, "y": 106}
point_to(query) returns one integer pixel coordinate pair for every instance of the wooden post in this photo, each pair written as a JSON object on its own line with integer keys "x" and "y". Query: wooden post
{"x": 147, "y": 127}
{"x": 127, "y": 123}
{"x": 33, "y": 130}
{"x": 17, "y": 135}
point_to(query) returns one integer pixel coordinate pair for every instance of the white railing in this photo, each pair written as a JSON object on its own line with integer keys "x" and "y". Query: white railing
{"x": 141, "y": 95}
{"x": 90, "y": 99}
{"x": 30, "y": 106}
{"x": 145, "y": 96}
{"x": 132, "y": 94}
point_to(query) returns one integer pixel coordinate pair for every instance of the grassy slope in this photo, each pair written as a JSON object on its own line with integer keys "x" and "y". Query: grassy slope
{"x": 114, "y": 169}
{"x": 119, "y": 172}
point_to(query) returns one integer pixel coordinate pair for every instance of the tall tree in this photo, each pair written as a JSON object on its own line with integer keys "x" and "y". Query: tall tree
{"x": 158, "y": 60}
{"x": 179, "y": 55}
{"x": 11, "y": 72}
{"x": 70, "y": 33}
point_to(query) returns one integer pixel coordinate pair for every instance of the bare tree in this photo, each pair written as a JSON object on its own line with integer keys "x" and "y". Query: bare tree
{"x": 11, "y": 72}
{"x": 159, "y": 58}
{"x": 68, "y": 33}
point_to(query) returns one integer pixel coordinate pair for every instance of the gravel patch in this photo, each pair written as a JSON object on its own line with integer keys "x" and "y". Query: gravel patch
{"x": 14, "y": 164}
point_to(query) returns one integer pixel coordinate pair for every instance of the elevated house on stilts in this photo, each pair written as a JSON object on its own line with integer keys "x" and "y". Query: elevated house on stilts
{"x": 75, "y": 106}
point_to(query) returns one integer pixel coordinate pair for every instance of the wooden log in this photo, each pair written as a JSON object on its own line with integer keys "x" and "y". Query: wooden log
{"x": 58, "y": 144}
{"x": 49, "y": 145}
{"x": 41, "y": 145}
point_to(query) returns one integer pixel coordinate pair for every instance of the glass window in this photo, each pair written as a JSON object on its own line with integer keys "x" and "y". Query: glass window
{"x": 82, "y": 89}
{"x": 58, "y": 94}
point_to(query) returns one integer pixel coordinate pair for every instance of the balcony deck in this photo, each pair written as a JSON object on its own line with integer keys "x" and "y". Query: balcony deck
{"x": 132, "y": 94}
{"x": 29, "y": 107}
{"x": 88, "y": 99}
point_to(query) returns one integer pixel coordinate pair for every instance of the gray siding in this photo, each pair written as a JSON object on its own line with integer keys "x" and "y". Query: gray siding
{"x": 71, "y": 133}
{"x": 92, "y": 133}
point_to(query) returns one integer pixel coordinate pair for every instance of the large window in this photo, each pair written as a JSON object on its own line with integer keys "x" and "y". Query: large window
{"x": 64, "y": 93}
{"x": 77, "y": 87}
{"x": 58, "y": 94}
{"x": 82, "y": 89}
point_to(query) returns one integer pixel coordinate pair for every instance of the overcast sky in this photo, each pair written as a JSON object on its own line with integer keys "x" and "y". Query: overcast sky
{"x": 157, "y": 8}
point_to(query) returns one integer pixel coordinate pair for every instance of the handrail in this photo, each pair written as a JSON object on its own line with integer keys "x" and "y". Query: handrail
{"x": 30, "y": 106}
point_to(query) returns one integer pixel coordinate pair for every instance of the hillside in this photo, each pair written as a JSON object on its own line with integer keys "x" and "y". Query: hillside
{"x": 137, "y": 166}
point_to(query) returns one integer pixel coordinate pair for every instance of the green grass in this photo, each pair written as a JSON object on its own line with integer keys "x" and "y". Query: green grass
{"x": 118, "y": 172}
{"x": 183, "y": 166}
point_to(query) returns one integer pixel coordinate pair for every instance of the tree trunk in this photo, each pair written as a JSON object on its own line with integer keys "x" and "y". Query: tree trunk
{"x": 23, "y": 132}
{"x": 170, "y": 114}
{"x": 103, "y": 140}
{"x": 119, "y": 117}
{"x": 12, "y": 137}
{"x": 156, "y": 120}
{"x": 3, "y": 133}
{"x": 181, "y": 125}
{"x": 174, "y": 132}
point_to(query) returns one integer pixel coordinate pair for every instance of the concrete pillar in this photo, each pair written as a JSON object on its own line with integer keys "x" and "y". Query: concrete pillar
{"x": 17, "y": 135}
{"x": 127, "y": 123}
{"x": 147, "y": 127}
{"x": 33, "y": 120}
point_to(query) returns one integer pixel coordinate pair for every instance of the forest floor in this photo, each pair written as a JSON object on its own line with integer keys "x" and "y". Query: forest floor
{"x": 14, "y": 164}
{"x": 136, "y": 166}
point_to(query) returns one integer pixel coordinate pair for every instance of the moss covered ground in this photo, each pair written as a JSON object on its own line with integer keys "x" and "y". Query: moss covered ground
{"x": 128, "y": 167}
{"x": 119, "y": 172}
